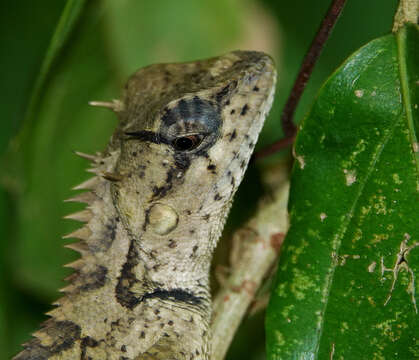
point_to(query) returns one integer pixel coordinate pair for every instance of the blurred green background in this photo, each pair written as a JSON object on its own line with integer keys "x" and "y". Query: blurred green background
{"x": 110, "y": 40}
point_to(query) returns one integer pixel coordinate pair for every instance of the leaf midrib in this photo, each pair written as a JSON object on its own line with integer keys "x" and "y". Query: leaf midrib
{"x": 404, "y": 81}
{"x": 345, "y": 225}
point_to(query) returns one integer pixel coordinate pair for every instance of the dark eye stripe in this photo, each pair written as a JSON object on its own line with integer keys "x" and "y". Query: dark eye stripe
{"x": 145, "y": 135}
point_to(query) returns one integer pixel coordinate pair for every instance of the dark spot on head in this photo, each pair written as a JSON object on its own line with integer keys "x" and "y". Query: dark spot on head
{"x": 170, "y": 322}
{"x": 244, "y": 110}
{"x": 176, "y": 295}
{"x": 182, "y": 162}
{"x": 195, "y": 248}
{"x": 224, "y": 91}
{"x": 156, "y": 267}
{"x": 243, "y": 164}
{"x": 92, "y": 280}
{"x": 211, "y": 167}
{"x": 233, "y": 135}
{"x": 147, "y": 217}
{"x": 172, "y": 244}
{"x": 232, "y": 111}
{"x": 85, "y": 343}
{"x": 192, "y": 231}
{"x": 142, "y": 335}
{"x": 111, "y": 230}
{"x": 206, "y": 217}
{"x": 134, "y": 153}
{"x": 183, "y": 109}
{"x": 217, "y": 197}
{"x": 127, "y": 279}
{"x": 256, "y": 89}
{"x": 123, "y": 348}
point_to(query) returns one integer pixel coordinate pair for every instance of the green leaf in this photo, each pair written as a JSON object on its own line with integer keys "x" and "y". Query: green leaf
{"x": 61, "y": 122}
{"x": 346, "y": 285}
{"x": 64, "y": 28}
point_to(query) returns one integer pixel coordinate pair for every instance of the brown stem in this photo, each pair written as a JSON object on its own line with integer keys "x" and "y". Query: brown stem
{"x": 304, "y": 74}
{"x": 275, "y": 147}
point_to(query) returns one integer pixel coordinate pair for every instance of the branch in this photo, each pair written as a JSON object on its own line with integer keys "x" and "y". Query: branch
{"x": 408, "y": 11}
{"x": 303, "y": 76}
{"x": 255, "y": 248}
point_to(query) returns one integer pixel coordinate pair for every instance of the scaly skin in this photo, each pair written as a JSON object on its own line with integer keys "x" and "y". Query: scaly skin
{"x": 156, "y": 209}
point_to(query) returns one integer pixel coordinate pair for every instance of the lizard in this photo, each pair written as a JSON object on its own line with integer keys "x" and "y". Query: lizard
{"x": 156, "y": 206}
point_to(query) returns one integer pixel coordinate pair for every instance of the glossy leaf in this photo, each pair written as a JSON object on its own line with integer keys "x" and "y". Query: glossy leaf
{"x": 346, "y": 285}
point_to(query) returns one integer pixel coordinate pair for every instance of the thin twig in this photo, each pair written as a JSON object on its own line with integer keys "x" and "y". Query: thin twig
{"x": 303, "y": 76}
{"x": 275, "y": 147}
{"x": 255, "y": 250}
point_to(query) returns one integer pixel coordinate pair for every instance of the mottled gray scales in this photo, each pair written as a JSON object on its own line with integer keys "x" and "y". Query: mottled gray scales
{"x": 156, "y": 208}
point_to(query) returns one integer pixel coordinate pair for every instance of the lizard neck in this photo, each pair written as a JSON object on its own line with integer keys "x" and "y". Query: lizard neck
{"x": 122, "y": 300}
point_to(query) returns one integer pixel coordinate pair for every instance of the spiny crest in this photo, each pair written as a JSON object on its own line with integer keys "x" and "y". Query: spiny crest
{"x": 90, "y": 197}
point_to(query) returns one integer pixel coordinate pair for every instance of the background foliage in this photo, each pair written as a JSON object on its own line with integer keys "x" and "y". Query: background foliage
{"x": 110, "y": 40}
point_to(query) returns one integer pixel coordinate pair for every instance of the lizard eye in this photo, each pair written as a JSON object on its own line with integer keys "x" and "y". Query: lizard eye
{"x": 189, "y": 142}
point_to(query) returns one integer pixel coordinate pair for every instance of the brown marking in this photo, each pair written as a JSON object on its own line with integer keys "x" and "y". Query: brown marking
{"x": 276, "y": 241}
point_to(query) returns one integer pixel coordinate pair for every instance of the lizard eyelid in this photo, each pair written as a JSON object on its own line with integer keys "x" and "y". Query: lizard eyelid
{"x": 187, "y": 142}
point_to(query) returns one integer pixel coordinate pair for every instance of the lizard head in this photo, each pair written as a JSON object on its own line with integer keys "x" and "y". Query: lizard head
{"x": 185, "y": 137}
